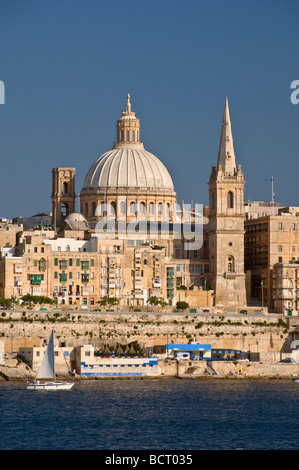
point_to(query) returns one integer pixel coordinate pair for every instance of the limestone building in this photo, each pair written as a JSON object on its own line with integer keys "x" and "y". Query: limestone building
{"x": 270, "y": 241}
{"x": 96, "y": 252}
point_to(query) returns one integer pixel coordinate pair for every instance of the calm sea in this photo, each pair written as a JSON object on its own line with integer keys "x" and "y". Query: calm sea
{"x": 151, "y": 414}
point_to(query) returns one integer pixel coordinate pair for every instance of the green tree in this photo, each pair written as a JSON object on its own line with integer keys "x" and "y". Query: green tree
{"x": 182, "y": 305}
{"x": 108, "y": 301}
{"x": 5, "y": 302}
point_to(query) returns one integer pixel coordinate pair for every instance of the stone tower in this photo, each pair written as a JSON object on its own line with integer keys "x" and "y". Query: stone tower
{"x": 63, "y": 194}
{"x": 226, "y": 224}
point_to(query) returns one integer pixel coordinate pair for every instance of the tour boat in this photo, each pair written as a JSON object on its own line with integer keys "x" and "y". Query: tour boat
{"x": 47, "y": 371}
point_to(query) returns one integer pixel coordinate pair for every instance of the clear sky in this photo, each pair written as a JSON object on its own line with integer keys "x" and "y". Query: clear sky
{"x": 68, "y": 65}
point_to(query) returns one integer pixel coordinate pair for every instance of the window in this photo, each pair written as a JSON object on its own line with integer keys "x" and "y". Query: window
{"x": 63, "y": 277}
{"x": 92, "y": 262}
{"x": 132, "y": 208}
{"x": 152, "y": 208}
{"x": 123, "y": 208}
{"x": 280, "y": 259}
{"x": 63, "y": 264}
{"x": 142, "y": 209}
{"x": 230, "y": 200}
{"x": 279, "y": 225}
{"x": 230, "y": 264}
{"x": 70, "y": 262}
{"x": 42, "y": 265}
{"x": 279, "y": 248}
{"x": 113, "y": 208}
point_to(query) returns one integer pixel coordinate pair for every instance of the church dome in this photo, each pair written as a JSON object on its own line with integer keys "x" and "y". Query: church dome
{"x": 128, "y": 166}
{"x": 76, "y": 217}
{"x": 127, "y": 179}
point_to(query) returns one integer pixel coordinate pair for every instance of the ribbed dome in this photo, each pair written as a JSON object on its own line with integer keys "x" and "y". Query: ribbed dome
{"x": 128, "y": 166}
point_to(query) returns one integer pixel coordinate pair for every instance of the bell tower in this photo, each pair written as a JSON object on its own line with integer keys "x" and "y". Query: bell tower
{"x": 226, "y": 223}
{"x": 63, "y": 194}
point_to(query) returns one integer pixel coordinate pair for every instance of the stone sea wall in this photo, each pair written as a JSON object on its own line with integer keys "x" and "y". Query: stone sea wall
{"x": 264, "y": 334}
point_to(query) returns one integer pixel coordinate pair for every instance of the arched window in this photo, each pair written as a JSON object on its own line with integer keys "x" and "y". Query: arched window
{"x": 102, "y": 210}
{"x": 132, "y": 208}
{"x": 94, "y": 206}
{"x": 133, "y": 136}
{"x": 122, "y": 136}
{"x": 160, "y": 208}
{"x": 64, "y": 210}
{"x": 128, "y": 136}
{"x": 152, "y": 208}
{"x": 230, "y": 200}
{"x": 123, "y": 208}
{"x": 65, "y": 188}
{"x": 142, "y": 209}
{"x": 230, "y": 264}
{"x": 113, "y": 208}
{"x": 86, "y": 209}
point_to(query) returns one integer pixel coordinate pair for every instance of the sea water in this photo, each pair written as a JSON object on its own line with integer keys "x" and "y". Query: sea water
{"x": 160, "y": 414}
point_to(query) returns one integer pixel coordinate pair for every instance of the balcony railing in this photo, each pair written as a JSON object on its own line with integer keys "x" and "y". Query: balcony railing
{"x": 230, "y": 275}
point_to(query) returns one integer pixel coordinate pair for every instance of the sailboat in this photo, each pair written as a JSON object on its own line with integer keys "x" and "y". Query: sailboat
{"x": 47, "y": 371}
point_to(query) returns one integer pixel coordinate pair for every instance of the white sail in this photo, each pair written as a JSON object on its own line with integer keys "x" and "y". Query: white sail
{"x": 47, "y": 368}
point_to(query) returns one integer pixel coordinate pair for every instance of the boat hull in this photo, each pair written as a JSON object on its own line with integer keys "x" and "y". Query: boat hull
{"x": 50, "y": 386}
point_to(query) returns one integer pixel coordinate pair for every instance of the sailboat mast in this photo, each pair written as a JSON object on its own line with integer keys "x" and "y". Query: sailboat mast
{"x": 54, "y": 366}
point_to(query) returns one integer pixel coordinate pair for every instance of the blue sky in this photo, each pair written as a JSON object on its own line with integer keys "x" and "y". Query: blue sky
{"x": 68, "y": 65}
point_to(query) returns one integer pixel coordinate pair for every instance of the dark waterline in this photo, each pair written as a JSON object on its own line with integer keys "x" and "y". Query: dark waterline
{"x": 151, "y": 414}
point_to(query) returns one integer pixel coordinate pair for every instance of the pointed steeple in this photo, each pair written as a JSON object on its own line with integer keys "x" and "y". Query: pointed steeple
{"x": 226, "y": 154}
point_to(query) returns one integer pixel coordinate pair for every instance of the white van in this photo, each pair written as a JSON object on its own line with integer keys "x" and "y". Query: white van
{"x": 182, "y": 356}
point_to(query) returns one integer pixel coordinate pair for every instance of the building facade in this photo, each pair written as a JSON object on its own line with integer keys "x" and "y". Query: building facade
{"x": 269, "y": 241}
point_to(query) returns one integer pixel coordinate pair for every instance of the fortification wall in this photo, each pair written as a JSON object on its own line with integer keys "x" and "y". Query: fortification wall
{"x": 248, "y": 333}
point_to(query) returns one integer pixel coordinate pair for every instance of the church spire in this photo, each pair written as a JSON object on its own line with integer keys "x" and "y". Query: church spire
{"x": 226, "y": 155}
